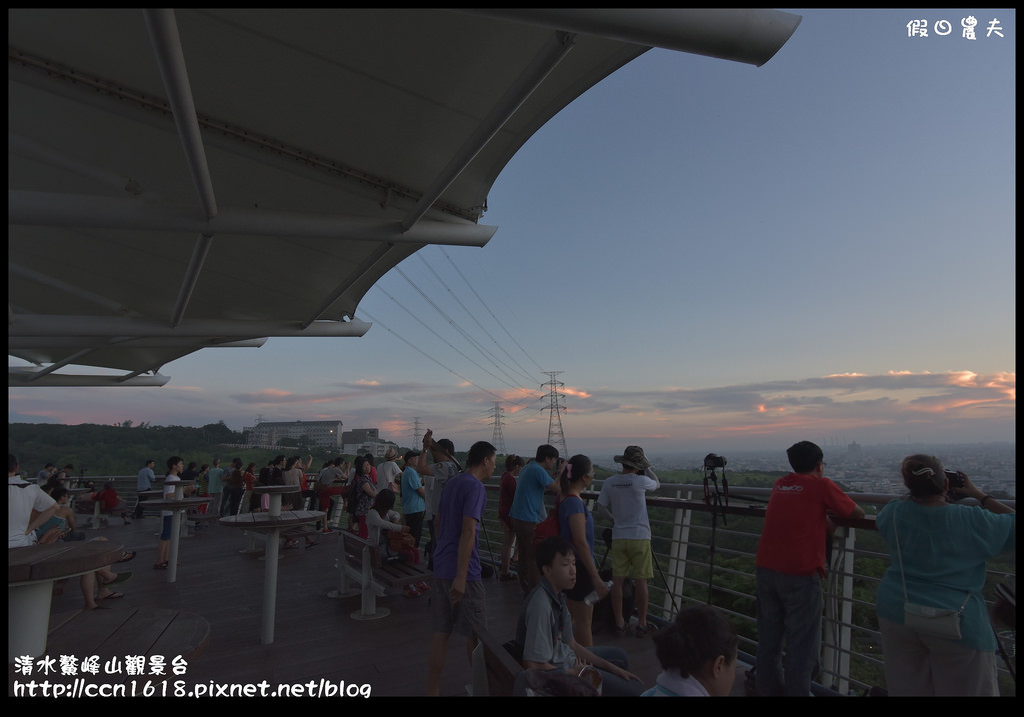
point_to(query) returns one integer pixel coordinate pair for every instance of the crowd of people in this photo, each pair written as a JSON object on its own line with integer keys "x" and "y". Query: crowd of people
{"x": 938, "y": 563}
{"x": 938, "y": 550}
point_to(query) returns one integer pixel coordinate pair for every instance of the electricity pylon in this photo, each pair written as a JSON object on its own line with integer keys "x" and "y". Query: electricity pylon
{"x": 416, "y": 433}
{"x": 556, "y": 437}
{"x": 498, "y": 440}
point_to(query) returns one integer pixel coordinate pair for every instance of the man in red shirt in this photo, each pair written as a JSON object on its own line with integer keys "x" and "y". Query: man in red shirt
{"x": 790, "y": 565}
{"x": 112, "y": 502}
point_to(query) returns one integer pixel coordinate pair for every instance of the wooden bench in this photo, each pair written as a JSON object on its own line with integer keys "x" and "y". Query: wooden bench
{"x": 502, "y": 668}
{"x": 361, "y": 563}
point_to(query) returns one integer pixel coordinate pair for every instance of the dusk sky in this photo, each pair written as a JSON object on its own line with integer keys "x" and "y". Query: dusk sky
{"x": 715, "y": 256}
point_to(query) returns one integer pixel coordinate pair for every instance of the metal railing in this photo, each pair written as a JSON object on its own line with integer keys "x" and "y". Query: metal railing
{"x": 705, "y": 554}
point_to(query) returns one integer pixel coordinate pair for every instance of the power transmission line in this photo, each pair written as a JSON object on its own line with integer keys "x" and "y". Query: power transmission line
{"x": 472, "y": 341}
{"x": 483, "y": 328}
{"x": 528, "y": 394}
{"x": 450, "y": 345}
{"x": 496, "y": 320}
{"x": 414, "y": 346}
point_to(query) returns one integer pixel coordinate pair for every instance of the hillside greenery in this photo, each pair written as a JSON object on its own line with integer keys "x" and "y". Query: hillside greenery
{"x": 122, "y": 450}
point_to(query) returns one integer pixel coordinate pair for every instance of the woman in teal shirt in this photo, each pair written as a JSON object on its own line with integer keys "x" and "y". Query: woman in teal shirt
{"x": 943, "y": 547}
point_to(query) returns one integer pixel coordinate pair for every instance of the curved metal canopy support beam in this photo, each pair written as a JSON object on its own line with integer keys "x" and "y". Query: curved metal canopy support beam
{"x": 22, "y": 376}
{"x": 50, "y": 209}
{"x": 195, "y": 329}
{"x": 752, "y": 36}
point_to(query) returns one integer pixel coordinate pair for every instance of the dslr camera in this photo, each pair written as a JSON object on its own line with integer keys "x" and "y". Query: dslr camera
{"x": 956, "y": 481}
{"x": 713, "y": 460}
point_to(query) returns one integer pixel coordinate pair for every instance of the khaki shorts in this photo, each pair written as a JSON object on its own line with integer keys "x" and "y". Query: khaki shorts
{"x": 467, "y": 617}
{"x": 632, "y": 559}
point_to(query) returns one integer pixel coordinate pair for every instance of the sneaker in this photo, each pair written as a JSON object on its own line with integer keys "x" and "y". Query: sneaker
{"x": 644, "y": 630}
{"x": 422, "y": 587}
{"x": 411, "y": 592}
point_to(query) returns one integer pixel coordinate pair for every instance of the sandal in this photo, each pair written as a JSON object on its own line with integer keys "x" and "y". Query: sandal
{"x": 620, "y": 630}
{"x": 126, "y": 556}
{"x": 121, "y": 578}
{"x": 161, "y": 566}
{"x": 111, "y": 596}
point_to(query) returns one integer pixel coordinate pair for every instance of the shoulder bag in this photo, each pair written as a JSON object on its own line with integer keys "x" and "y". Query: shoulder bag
{"x": 928, "y": 620}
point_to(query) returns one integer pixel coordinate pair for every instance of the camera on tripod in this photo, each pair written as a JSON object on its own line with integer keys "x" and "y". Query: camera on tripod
{"x": 713, "y": 460}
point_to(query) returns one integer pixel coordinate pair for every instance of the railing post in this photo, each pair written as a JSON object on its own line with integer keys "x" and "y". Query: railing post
{"x": 677, "y": 553}
{"x": 837, "y": 644}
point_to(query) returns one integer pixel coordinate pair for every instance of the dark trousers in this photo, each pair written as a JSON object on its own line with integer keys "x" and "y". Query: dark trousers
{"x": 415, "y": 523}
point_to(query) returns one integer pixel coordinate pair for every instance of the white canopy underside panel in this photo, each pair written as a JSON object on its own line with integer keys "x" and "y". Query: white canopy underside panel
{"x": 197, "y": 178}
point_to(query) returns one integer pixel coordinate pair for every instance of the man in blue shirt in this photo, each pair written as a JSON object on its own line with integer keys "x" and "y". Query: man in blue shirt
{"x": 414, "y": 503}
{"x": 215, "y": 480}
{"x": 144, "y": 481}
{"x": 528, "y": 509}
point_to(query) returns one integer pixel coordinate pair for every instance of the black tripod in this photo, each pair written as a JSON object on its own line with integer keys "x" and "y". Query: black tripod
{"x": 713, "y": 497}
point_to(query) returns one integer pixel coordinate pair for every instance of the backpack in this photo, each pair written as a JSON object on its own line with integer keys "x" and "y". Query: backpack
{"x": 548, "y": 528}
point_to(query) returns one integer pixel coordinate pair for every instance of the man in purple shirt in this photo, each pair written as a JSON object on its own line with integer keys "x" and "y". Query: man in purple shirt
{"x": 459, "y": 599}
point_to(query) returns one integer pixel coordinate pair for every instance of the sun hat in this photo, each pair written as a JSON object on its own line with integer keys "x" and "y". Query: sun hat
{"x": 634, "y": 457}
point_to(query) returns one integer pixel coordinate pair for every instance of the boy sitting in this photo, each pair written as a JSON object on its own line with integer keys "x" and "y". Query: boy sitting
{"x": 545, "y": 632}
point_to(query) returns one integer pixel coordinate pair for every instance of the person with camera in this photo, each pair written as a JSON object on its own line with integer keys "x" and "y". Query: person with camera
{"x": 938, "y": 550}
{"x": 625, "y": 497}
{"x": 790, "y": 565}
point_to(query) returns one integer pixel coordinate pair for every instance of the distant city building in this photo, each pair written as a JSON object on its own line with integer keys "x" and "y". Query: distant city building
{"x": 320, "y": 434}
{"x": 375, "y": 448}
{"x": 360, "y": 441}
{"x": 360, "y": 435}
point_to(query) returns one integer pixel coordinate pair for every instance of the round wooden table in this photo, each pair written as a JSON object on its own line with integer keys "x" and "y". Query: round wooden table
{"x": 31, "y": 572}
{"x": 276, "y": 492}
{"x": 271, "y": 524}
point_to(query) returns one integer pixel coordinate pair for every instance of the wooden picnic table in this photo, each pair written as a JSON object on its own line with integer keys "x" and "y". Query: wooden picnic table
{"x": 271, "y": 524}
{"x": 179, "y": 507}
{"x": 31, "y": 572}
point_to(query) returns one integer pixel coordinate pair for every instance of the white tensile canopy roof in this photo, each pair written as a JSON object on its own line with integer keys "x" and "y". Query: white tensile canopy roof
{"x": 183, "y": 179}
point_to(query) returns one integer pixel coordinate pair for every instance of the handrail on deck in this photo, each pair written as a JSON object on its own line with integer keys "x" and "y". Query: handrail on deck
{"x": 704, "y": 552}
